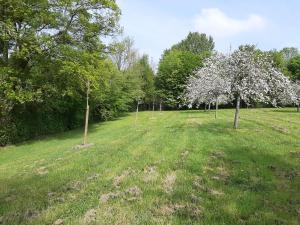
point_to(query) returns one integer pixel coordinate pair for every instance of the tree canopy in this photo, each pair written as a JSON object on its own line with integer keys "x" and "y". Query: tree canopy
{"x": 195, "y": 43}
{"x": 177, "y": 64}
{"x": 48, "y": 51}
{"x": 293, "y": 66}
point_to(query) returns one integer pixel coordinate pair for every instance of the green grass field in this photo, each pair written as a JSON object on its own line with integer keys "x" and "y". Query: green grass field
{"x": 180, "y": 167}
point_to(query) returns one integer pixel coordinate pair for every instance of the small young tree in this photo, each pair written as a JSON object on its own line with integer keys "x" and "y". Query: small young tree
{"x": 85, "y": 68}
{"x": 139, "y": 95}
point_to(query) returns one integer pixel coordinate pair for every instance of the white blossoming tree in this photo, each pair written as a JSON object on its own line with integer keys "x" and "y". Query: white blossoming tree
{"x": 246, "y": 75}
{"x": 254, "y": 78}
{"x": 281, "y": 90}
{"x": 296, "y": 89}
{"x": 210, "y": 84}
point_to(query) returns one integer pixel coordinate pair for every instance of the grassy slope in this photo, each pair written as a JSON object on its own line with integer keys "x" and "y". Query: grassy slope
{"x": 224, "y": 176}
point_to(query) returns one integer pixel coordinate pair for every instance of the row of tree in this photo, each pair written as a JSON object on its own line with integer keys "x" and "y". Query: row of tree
{"x": 180, "y": 62}
{"x": 56, "y": 72}
{"x": 55, "y": 68}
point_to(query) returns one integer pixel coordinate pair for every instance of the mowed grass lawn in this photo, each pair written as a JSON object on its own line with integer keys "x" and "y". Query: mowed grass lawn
{"x": 180, "y": 167}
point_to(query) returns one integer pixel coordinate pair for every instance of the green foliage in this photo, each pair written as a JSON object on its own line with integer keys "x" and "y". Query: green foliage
{"x": 147, "y": 77}
{"x": 293, "y": 66}
{"x": 289, "y": 52}
{"x": 278, "y": 59}
{"x": 49, "y": 50}
{"x": 178, "y": 63}
{"x": 195, "y": 43}
{"x": 286, "y": 60}
{"x": 173, "y": 72}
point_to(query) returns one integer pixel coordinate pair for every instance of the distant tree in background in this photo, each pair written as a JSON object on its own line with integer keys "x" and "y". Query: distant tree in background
{"x": 195, "y": 43}
{"x": 123, "y": 53}
{"x": 293, "y": 67}
{"x": 147, "y": 76}
{"x": 178, "y": 62}
{"x": 289, "y": 52}
{"x": 173, "y": 73}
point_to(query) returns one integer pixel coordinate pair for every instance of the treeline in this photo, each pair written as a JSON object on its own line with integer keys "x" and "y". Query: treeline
{"x": 184, "y": 59}
{"x": 51, "y": 52}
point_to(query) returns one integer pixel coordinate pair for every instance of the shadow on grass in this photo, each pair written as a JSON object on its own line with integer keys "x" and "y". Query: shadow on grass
{"x": 194, "y": 111}
{"x": 287, "y": 110}
{"x": 70, "y": 134}
{"x": 263, "y": 186}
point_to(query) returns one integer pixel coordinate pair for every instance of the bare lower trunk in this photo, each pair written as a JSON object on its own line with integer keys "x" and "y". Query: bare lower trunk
{"x": 86, "y": 114}
{"x": 5, "y": 51}
{"x": 237, "y": 110}
{"x": 217, "y": 107}
{"x": 160, "y": 106}
{"x": 136, "y": 113}
{"x": 205, "y": 107}
{"x": 153, "y": 107}
{"x": 209, "y": 106}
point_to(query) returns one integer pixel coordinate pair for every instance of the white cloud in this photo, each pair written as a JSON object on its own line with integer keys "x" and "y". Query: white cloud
{"x": 216, "y": 23}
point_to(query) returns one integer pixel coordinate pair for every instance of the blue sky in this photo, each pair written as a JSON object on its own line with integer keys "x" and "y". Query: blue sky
{"x": 156, "y": 25}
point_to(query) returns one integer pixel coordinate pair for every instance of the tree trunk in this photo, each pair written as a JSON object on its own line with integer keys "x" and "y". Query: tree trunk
{"x": 86, "y": 114}
{"x": 205, "y": 107}
{"x": 217, "y": 107}
{"x": 160, "y": 106}
{"x": 237, "y": 110}
{"x": 153, "y": 106}
{"x": 136, "y": 113}
{"x": 5, "y": 51}
{"x": 209, "y": 107}
{"x": 298, "y": 108}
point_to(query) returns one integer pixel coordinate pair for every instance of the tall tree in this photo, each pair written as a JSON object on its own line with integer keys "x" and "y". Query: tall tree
{"x": 123, "y": 53}
{"x": 173, "y": 73}
{"x": 195, "y": 43}
{"x": 293, "y": 66}
{"x": 178, "y": 62}
{"x": 147, "y": 76}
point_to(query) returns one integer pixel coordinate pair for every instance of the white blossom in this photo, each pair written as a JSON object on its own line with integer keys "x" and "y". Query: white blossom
{"x": 246, "y": 75}
{"x": 210, "y": 83}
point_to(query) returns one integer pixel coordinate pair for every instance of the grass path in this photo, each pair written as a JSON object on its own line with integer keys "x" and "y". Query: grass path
{"x": 180, "y": 167}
